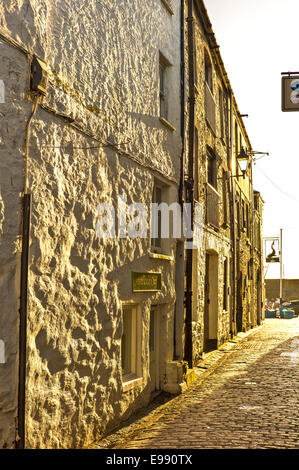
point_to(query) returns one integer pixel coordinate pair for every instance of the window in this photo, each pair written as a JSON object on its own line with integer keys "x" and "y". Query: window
{"x": 221, "y": 117}
{"x": 129, "y": 342}
{"x": 210, "y": 106}
{"x": 236, "y": 141}
{"x": 163, "y": 112}
{"x": 168, "y": 5}
{"x": 257, "y": 233}
{"x": 243, "y": 216}
{"x": 250, "y": 269}
{"x": 212, "y": 196}
{"x": 165, "y": 218}
{"x": 238, "y": 221}
{"x": 157, "y": 221}
{"x": 224, "y": 197}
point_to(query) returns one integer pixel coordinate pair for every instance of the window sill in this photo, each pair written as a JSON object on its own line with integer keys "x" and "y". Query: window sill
{"x": 168, "y": 6}
{"x": 130, "y": 382}
{"x": 161, "y": 256}
{"x": 167, "y": 124}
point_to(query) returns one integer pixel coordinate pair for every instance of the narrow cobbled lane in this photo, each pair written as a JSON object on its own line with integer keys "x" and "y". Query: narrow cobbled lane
{"x": 250, "y": 401}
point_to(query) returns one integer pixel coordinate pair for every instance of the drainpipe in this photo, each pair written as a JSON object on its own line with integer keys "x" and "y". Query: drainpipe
{"x": 20, "y": 441}
{"x": 252, "y": 248}
{"x": 189, "y": 185}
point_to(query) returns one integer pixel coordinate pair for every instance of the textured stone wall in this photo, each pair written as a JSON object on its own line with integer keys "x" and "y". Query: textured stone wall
{"x": 221, "y": 140}
{"x": 244, "y": 258}
{"x": 14, "y": 111}
{"x": 214, "y": 241}
{"x": 103, "y": 86}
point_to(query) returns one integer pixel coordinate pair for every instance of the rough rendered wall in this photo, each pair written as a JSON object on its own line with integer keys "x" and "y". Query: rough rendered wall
{"x": 13, "y": 116}
{"x": 215, "y": 241}
{"x": 103, "y": 74}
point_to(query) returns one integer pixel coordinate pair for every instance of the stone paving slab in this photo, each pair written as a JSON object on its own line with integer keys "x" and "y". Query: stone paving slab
{"x": 246, "y": 398}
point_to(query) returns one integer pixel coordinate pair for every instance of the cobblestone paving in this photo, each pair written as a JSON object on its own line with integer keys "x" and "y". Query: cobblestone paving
{"x": 251, "y": 400}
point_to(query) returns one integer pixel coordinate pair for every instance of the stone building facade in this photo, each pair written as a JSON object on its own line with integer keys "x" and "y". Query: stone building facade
{"x": 225, "y": 268}
{"x": 104, "y": 105}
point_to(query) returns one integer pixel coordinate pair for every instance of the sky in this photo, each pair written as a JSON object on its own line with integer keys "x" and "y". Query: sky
{"x": 258, "y": 41}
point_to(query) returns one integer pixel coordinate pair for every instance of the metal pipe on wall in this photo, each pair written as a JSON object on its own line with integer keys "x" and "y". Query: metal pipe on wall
{"x": 20, "y": 441}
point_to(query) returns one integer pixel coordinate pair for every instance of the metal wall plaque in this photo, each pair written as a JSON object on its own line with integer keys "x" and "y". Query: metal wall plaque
{"x": 290, "y": 93}
{"x": 144, "y": 282}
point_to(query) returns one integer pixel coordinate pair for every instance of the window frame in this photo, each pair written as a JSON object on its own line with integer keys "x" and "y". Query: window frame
{"x": 243, "y": 215}
{"x": 221, "y": 110}
{"x": 236, "y": 141}
{"x": 164, "y": 246}
{"x": 133, "y": 371}
{"x": 224, "y": 198}
{"x": 162, "y": 94}
{"x": 196, "y": 164}
{"x": 208, "y": 72}
{"x": 238, "y": 217}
